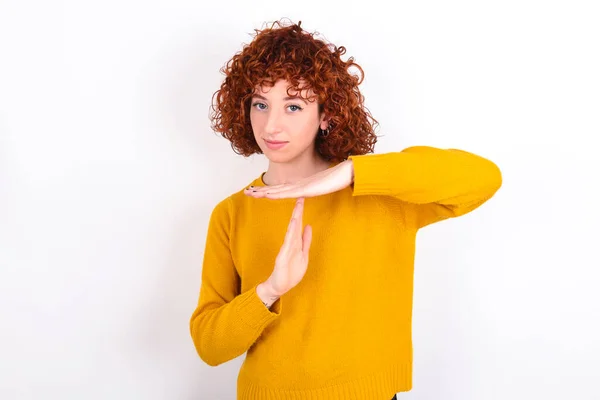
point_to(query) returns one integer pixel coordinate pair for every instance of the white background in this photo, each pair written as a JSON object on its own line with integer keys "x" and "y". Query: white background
{"x": 109, "y": 171}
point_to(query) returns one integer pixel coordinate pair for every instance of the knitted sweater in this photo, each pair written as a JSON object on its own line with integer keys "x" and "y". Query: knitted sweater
{"x": 344, "y": 332}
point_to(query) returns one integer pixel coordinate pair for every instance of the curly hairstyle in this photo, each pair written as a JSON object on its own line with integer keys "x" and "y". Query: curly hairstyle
{"x": 290, "y": 53}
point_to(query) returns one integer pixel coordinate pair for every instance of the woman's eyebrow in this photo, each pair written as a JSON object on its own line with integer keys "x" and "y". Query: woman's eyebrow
{"x": 258, "y": 96}
{"x": 295, "y": 98}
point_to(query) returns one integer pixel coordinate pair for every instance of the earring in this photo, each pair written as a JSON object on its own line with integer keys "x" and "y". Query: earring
{"x": 325, "y": 133}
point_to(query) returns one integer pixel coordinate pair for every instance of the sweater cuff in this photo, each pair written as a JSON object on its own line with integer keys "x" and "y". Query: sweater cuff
{"x": 372, "y": 175}
{"x": 253, "y": 312}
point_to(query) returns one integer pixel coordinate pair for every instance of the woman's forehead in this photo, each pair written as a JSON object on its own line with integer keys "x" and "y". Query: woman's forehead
{"x": 285, "y": 87}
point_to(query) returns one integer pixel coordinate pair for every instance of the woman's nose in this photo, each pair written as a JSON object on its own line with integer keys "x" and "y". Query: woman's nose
{"x": 273, "y": 124}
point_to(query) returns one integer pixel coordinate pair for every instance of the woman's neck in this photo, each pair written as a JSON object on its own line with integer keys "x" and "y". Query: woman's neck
{"x": 293, "y": 171}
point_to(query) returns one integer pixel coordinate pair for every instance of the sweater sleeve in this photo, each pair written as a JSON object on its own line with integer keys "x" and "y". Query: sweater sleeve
{"x": 435, "y": 183}
{"x": 225, "y": 322}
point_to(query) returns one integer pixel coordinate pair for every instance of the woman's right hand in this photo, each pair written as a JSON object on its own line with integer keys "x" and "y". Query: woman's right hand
{"x": 292, "y": 261}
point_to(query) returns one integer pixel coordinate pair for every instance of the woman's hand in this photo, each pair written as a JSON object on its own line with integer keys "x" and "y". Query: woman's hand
{"x": 327, "y": 181}
{"x": 292, "y": 261}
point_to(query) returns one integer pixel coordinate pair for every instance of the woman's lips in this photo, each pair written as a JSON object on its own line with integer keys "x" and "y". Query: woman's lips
{"x": 275, "y": 145}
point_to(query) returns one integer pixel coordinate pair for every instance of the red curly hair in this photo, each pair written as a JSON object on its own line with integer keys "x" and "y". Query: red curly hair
{"x": 289, "y": 53}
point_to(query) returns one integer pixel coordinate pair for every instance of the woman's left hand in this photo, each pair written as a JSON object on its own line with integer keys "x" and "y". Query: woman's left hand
{"x": 327, "y": 181}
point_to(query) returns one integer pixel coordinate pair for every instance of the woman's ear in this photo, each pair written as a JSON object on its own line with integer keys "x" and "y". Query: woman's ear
{"x": 324, "y": 122}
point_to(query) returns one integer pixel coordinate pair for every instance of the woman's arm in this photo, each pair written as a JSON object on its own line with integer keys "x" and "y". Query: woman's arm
{"x": 225, "y": 323}
{"x": 436, "y": 183}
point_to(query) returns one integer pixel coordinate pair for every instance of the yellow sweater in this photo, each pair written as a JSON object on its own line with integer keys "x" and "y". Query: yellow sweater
{"x": 344, "y": 332}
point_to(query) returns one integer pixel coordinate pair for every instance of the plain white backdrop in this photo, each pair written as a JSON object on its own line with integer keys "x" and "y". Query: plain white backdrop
{"x": 109, "y": 171}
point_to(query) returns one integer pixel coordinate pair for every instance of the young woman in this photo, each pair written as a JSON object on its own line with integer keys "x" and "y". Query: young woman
{"x": 309, "y": 269}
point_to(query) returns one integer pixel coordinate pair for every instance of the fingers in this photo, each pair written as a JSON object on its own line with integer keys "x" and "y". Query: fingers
{"x": 260, "y": 190}
{"x": 285, "y": 193}
{"x": 289, "y": 236}
{"x": 292, "y": 236}
{"x": 306, "y": 241}
{"x": 281, "y": 188}
{"x": 276, "y": 191}
{"x": 299, "y": 217}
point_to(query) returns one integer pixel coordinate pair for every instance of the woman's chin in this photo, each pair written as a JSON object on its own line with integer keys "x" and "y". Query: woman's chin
{"x": 277, "y": 156}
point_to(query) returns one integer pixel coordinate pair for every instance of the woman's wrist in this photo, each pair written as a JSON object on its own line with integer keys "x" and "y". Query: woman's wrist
{"x": 266, "y": 294}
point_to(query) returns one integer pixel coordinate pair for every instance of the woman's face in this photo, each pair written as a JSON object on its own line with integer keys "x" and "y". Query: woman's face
{"x": 285, "y": 125}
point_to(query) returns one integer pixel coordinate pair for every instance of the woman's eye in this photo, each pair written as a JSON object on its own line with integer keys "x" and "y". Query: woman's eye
{"x": 260, "y": 106}
{"x": 295, "y": 108}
